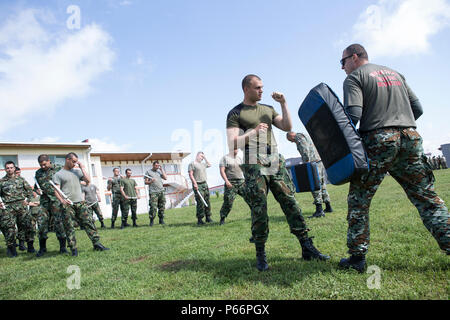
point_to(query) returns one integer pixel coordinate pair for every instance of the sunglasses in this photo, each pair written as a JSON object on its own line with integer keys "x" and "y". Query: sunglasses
{"x": 343, "y": 59}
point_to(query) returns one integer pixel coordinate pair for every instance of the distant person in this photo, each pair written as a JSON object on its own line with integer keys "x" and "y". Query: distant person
{"x": 68, "y": 181}
{"x": 309, "y": 153}
{"x": 117, "y": 198}
{"x": 381, "y": 100}
{"x": 231, "y": 172}
{"x": 443, "y": 163}
{"x": 157, "y": 197}
{"x": 197, "y": 174}
{"x": 92, "y": 198}
{"x": 130, "y": 194}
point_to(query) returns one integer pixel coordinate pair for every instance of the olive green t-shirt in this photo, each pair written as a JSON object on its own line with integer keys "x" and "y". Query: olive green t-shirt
{"x": 383, "y": 95}
{"x": 246, "y": 118}
{"x": 128, "y": 186}
{"x": 232, "y": 167}
{"x": 199, "y": 171}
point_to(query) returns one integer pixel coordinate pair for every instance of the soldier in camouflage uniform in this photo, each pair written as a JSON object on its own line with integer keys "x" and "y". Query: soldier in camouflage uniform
{"x": 130, "y": 194}
{"x": 52, "y": 210}
{"x": 14, "y": 192}
{"x": 249, "y": 127}
{"x": 197, "y": 174}
{"x": 68, "y": 180}
{"x": 20, "y": 231}
{"x": 157, "y": 198}
{"x": 233, "y": 176}
{"x": 387, "y": 109}
{"x": 444, "y": 163}
{"x": 117, "y": 198}
{"x": 309, "y": 153}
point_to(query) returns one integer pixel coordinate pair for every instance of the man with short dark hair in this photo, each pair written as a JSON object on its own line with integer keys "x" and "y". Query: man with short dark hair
{"x": 386, "y": 108}
{"x": 117, "y": 199}
{"x": 15, "y": 193}
{"x": 157, "y": 198}
{"x": 70, "y": 195}
{"x": 249, "y": 127}
{"x": 130, "y": 194}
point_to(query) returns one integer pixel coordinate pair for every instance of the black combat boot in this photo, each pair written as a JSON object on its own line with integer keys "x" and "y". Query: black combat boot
{"x": 319, "y": 212}
{"x": 11, "y": 251}
{"x": 200, "y": 221}
{"x": 208, "y": 219}
{"x": 74, "y": 252}
{"x": 222, "y": 221}
{"x": 112, "y": 224}
{"x": 62, "y": 245}
{"x": 102, "y": 225}
{"x": 355, "y": 262}
{"x": 42, "y": 247}
{"x": 261, "y": 261}
{"x": 310, "y": 252}
{"x": 328, "y": 207}
{"x": 122, "y": 225}
{"x": 161, "y": 220}
{"x": 126, "y": 224}
{"x": 151, "y": 222}
{"x": 134, "y": 223}
{"x": 100, "y": 247}
{"x": 22, "y": 245}
{"x": 30, "y": 246}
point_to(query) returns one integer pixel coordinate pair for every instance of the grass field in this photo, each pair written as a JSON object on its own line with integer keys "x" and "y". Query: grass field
{"x": 183, "y": 261}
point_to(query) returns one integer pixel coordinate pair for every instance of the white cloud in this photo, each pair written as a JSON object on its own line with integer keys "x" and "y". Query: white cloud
{"x": 125, "y": 3}
{"x": 398, "y": 27}
{"x": 106, "y": 145}
{"x": 40, "y": 69}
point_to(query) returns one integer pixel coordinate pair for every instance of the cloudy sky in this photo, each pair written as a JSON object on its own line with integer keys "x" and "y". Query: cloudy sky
{"x": 152, "y": 76}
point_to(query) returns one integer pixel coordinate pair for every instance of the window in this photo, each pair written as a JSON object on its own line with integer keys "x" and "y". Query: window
{"x": 57, "y": 159}
{"x": 108, "y": 199}
{"x": 171, "y": 168}
{"x": 94, "y": 174}
{"x": 4, "y": 159}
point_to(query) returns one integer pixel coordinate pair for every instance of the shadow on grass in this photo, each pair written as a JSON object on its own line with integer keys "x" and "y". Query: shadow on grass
{"x": 282, "y": 271}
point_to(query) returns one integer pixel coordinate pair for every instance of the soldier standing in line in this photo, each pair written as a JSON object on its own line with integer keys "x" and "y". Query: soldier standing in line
{"x": 231, "y": 172}
{"x": 52, "y": 210}
{"x": 68, "y": 180}
{"x": 130, "y": 194}
{"x": 14, "y": 192}
{"x": 92, "y": 198}
{"x": 20, "y": 231}
{"x": 117, "y": 198}
{"x": 444, "y": 163}
{"x": 197, "y": 174}
{"x": 249, "y": 127}
{"x": 309, "y": 153}
{"x": 157, "y": 198}
{"x": 387, "y": 108}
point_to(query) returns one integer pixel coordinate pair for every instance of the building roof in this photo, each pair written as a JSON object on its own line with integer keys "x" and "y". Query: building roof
{"x": 132, "y": 156}
{"x": 43, "y": 145}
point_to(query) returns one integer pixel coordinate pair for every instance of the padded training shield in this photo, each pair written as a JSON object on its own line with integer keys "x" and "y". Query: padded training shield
{"x": 306, "y": 177}
{"x": 334, "y": 135}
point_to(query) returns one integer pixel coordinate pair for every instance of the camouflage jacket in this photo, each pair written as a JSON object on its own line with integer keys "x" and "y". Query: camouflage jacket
{"x": 306, "y": 148}
{"x": 14, "y": 189}
{"x": 44, "y": 177}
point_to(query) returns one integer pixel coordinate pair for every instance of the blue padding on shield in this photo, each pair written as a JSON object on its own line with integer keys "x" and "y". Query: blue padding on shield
{"x": 310, "y": 177}
{"x": 306, "y": 112}
{"x": 294, "y": 179}
{"x": 341, "y": 170}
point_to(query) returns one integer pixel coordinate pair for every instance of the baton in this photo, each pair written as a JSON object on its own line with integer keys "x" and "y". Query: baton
{"x": 61, "y": 193}
{"x": 203, "y": 200}
{"x": 37, "y": 184}
{"x": 92, "y": 204}
{"x": 2, "y": 204}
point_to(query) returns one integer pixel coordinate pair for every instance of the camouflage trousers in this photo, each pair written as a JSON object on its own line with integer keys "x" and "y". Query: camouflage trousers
{"x": 95, "y": 208}
{"x": 202, "y": 210}
{"x": 37, "y": 218}
{"x": 321, "y": 196}
{"x": 79, "y": 213}
{"x": 258, "y": 183}
{"x": 51, "y": 219}
{"x": 157, "y": 202}
{"x": 397, "y": 151}
{"x": 117, "y": 201}
{"x": 238, "y": 187}
{"x": 127, "y": 204}
{"x": 15, "y": 213}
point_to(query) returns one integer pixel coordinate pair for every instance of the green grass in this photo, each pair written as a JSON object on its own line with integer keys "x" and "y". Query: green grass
{"x": 183, "y": 261}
